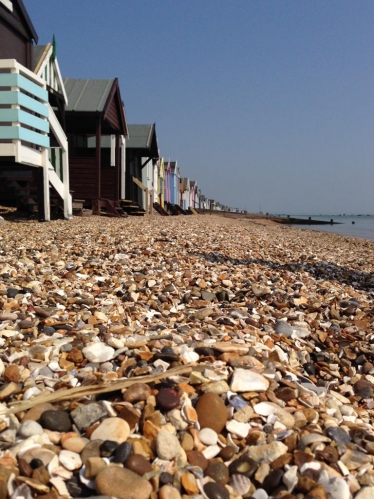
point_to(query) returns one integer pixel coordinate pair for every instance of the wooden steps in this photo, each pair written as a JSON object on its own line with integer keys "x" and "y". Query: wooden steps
{"x": 131, "y": 208}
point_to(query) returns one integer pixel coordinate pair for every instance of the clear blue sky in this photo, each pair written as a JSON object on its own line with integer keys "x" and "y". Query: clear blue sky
{"x": 264, "y": 102}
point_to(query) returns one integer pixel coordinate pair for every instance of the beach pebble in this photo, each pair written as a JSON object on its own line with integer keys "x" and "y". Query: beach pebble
{"x": 98, "y": 352}
{"x": 86, "y": 415}
{"x": 244, "y": 380}
{"x": 117, "y": 482}
{"x": 55, "y": 420}
{"x": 70, "y": 460}
{"x": 112, "y": 429}
{"x": 167, "y": 445}
{"x": 29, "y": 428}
{"x": 208, "y": 436}
{"x": 211, "y": 412}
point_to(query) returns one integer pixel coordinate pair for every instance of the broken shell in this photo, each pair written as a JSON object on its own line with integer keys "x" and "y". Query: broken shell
{"x": 240, "y": 483}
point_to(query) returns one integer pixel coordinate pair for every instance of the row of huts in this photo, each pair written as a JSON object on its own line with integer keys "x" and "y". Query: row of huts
{"x": 66, "y": 145}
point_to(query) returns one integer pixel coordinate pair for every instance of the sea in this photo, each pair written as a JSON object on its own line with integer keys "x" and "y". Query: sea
{"x": 361, "y": 226}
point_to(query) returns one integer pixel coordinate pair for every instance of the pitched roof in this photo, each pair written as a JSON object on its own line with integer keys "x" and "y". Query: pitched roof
{"x": 19, "y": 18}
{"x": 143, "y": 137}
{"x": 87, "y": 95}
{"x": 140, "y": 136}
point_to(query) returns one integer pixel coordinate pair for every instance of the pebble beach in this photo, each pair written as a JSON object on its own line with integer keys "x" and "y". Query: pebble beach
{"x": 180, "y": 357}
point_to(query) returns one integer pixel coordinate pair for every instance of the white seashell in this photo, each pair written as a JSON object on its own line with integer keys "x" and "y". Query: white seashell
{"x": 189, "y": 355}
{"x": 290, "y": 478}
{"x": 231, "y": 443}
{"x": 2, "y": 366}
{"x": 343, "y": 468}
{"x": 53, "y": 366}
{"x": 109, "y": 408}
{"x": 238, "y": 428}
{"x": 260, "y": 494}
{"x": 200, "y": 483}
{"x": 208, "y": 436}
{"x": 314, "y": 465}
{"x": 211, "y": 451}
{"x": 60, "y": 486}
{"x": 189, "y": 413}
{"x": 86, "y": 481}
{"x": 106, "y": 367}
{"x": 241, "y": 484}
{"x": 55, "y": 469}
{"x": 31, "y": 393}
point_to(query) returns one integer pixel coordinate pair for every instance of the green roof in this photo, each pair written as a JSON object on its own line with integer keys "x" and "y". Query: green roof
{"x": 87, "y": 95}
{"x": 143, "y": 137}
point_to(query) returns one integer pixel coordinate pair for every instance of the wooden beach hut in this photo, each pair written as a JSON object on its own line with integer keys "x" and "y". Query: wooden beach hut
{"x": 142, "y": 156}
{"x": 97, "y": 130}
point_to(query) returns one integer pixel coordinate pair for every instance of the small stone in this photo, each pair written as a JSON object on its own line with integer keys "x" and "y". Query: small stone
{"x": 112, "y": 429}
{"x": 202, "y": 314}
{"x": 267, "y": 452}
{"x": 93, "y": 467}
{"x": 70, "y": 460}
{"x": 208, "y": 436}
{"x": 11, "y": 374}
{"x": 283, "y": 328}
{"x": 138, "y": 464}
{"x": 197, "y": 458}
{"x": 169, "y": 492}
{"x": 216, "y": 491}
{"x": 136, "y": 393}
{"x": 167, "y": 445}
{"x": 365, "y": 493}
{"x": 122, "y": 453}
{"x": 107, "y": 448}
{"x": 310, "y": 368}
{"x": 41, "y": 475}
{"x": 92, "y": 449}
{"x": 98, "y": 352}
{"x": 35, "y": 412}
{"x": 217, "y": 387}
{"x": 131, "y": 415}
{"x": 8, "y": 316}
{"x": 338, "y": 435}
{"x": 211, "y": 412}
{"x": 56, "y": 421}
{"x": 227, "y": 453}
{"x": 122, "y": 484}
{"x": 30, "y": 428}
{"x": 189, "y": 484}
{"x": 167, "y": 399}
{"x": 218, "y": 471}
{"x": 272, "y": 481}
{"x": 244, "y": 380}
{"x": 336, "y": 488}
{"x": 244, "y": 465}
{"x": 75, "y": 444}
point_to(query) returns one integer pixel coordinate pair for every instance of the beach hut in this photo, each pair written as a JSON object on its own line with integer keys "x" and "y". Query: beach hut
{"x": 97, "y": 130}
{"x": 142, "y": 156}
{"x": 184, "y": 186}
{"x": 174, "y": 178}
{"x": 31, "y": 119}
{"x": 161, "y": 183}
